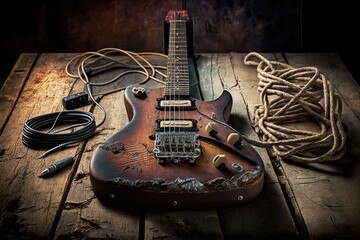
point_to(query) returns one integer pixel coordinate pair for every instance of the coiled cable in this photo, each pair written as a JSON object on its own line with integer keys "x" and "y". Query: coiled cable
{"x": 35, "y": 135}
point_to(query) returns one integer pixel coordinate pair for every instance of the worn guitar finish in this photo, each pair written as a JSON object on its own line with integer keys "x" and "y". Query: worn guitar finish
{"x": 176, "y": 151}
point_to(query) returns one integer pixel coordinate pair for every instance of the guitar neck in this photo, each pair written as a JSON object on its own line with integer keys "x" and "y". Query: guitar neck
{"x": 177, "y": 84}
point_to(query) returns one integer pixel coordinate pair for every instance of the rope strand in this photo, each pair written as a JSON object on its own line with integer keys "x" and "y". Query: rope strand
{"x": 291, "y": 96}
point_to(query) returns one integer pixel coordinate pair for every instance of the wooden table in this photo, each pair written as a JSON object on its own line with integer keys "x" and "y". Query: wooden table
{"x": 297, "y": 202}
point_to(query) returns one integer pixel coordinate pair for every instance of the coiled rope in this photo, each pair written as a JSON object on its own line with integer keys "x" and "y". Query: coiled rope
{"x": 290, "y": 96}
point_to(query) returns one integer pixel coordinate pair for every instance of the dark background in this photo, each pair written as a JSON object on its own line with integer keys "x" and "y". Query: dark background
{"x": 219, "y": 26}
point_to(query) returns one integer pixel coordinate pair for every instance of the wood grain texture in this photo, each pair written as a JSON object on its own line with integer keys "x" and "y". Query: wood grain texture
{"x": 201, "y": 224}
{"x": 84, "y": 216}
{"x": 28, "y": 203}
{"x": 13, "y": 85}
{"x": 328, "y": 194}
{"x": 257, "y": 218}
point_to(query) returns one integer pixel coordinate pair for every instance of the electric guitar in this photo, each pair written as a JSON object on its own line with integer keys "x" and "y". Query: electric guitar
{"x": 176, "y": 151}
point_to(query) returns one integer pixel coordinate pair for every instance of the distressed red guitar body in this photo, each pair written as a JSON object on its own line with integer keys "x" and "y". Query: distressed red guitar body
{"x": 176, "y": 151}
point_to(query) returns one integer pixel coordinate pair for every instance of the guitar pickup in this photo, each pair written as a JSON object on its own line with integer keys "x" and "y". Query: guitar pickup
{"x": 175, "y": 104}
{"x": 187, "y": 125}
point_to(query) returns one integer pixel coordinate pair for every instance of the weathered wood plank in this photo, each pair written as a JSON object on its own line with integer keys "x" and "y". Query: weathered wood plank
{"x": 182, "y": 225}
{"x": 13, "y": 85}
{"x": 28, "y": 203}
{"x": 255, "y": 219}
{"x": 328, "y": 194}
{"x": 84, "y": 216}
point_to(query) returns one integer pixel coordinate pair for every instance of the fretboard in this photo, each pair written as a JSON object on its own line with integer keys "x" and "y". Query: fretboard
{"x": 177, "y": 83}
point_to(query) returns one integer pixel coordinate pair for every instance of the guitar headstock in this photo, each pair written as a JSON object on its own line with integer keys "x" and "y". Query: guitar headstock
{"x": 173, "y": 15}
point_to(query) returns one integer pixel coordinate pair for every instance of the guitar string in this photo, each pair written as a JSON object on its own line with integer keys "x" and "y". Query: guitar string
{"x": 172, "y": 75}
{"x": 178, "y": 89}
{"x": 166, "y": 115}
{"x": 176, "y": 81}
{"x": 182, "y": 73}
{"x": 172, "y": 88}
{"x": 173, "y": 78}
{"x": 177, "y": 61}
{"x": 183, "y": 67}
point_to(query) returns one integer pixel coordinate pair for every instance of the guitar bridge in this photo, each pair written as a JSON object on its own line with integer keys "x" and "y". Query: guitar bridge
{"x": 177, "y": 146}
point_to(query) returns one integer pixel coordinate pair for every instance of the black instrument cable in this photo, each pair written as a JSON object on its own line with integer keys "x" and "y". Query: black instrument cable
{"x": 35, "y": 135}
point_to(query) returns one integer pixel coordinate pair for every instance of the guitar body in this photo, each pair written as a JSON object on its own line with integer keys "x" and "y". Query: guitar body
{"x": 176, "y": 151}
{"x": 130, "y": 167}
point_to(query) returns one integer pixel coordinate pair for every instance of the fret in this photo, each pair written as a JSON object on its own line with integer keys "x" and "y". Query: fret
{"x": 183, "y": 41}
{"x": 178, "y": 36}
{"x": 183, "y": 86}
{"x": 177, "y": 47}
{"x": 179, "y": 83}
{"x": 173, "y": 88}
{"x": 177, "y": 67}
{"x": 182, "y": 52}
{"x": 183, "y": 75}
